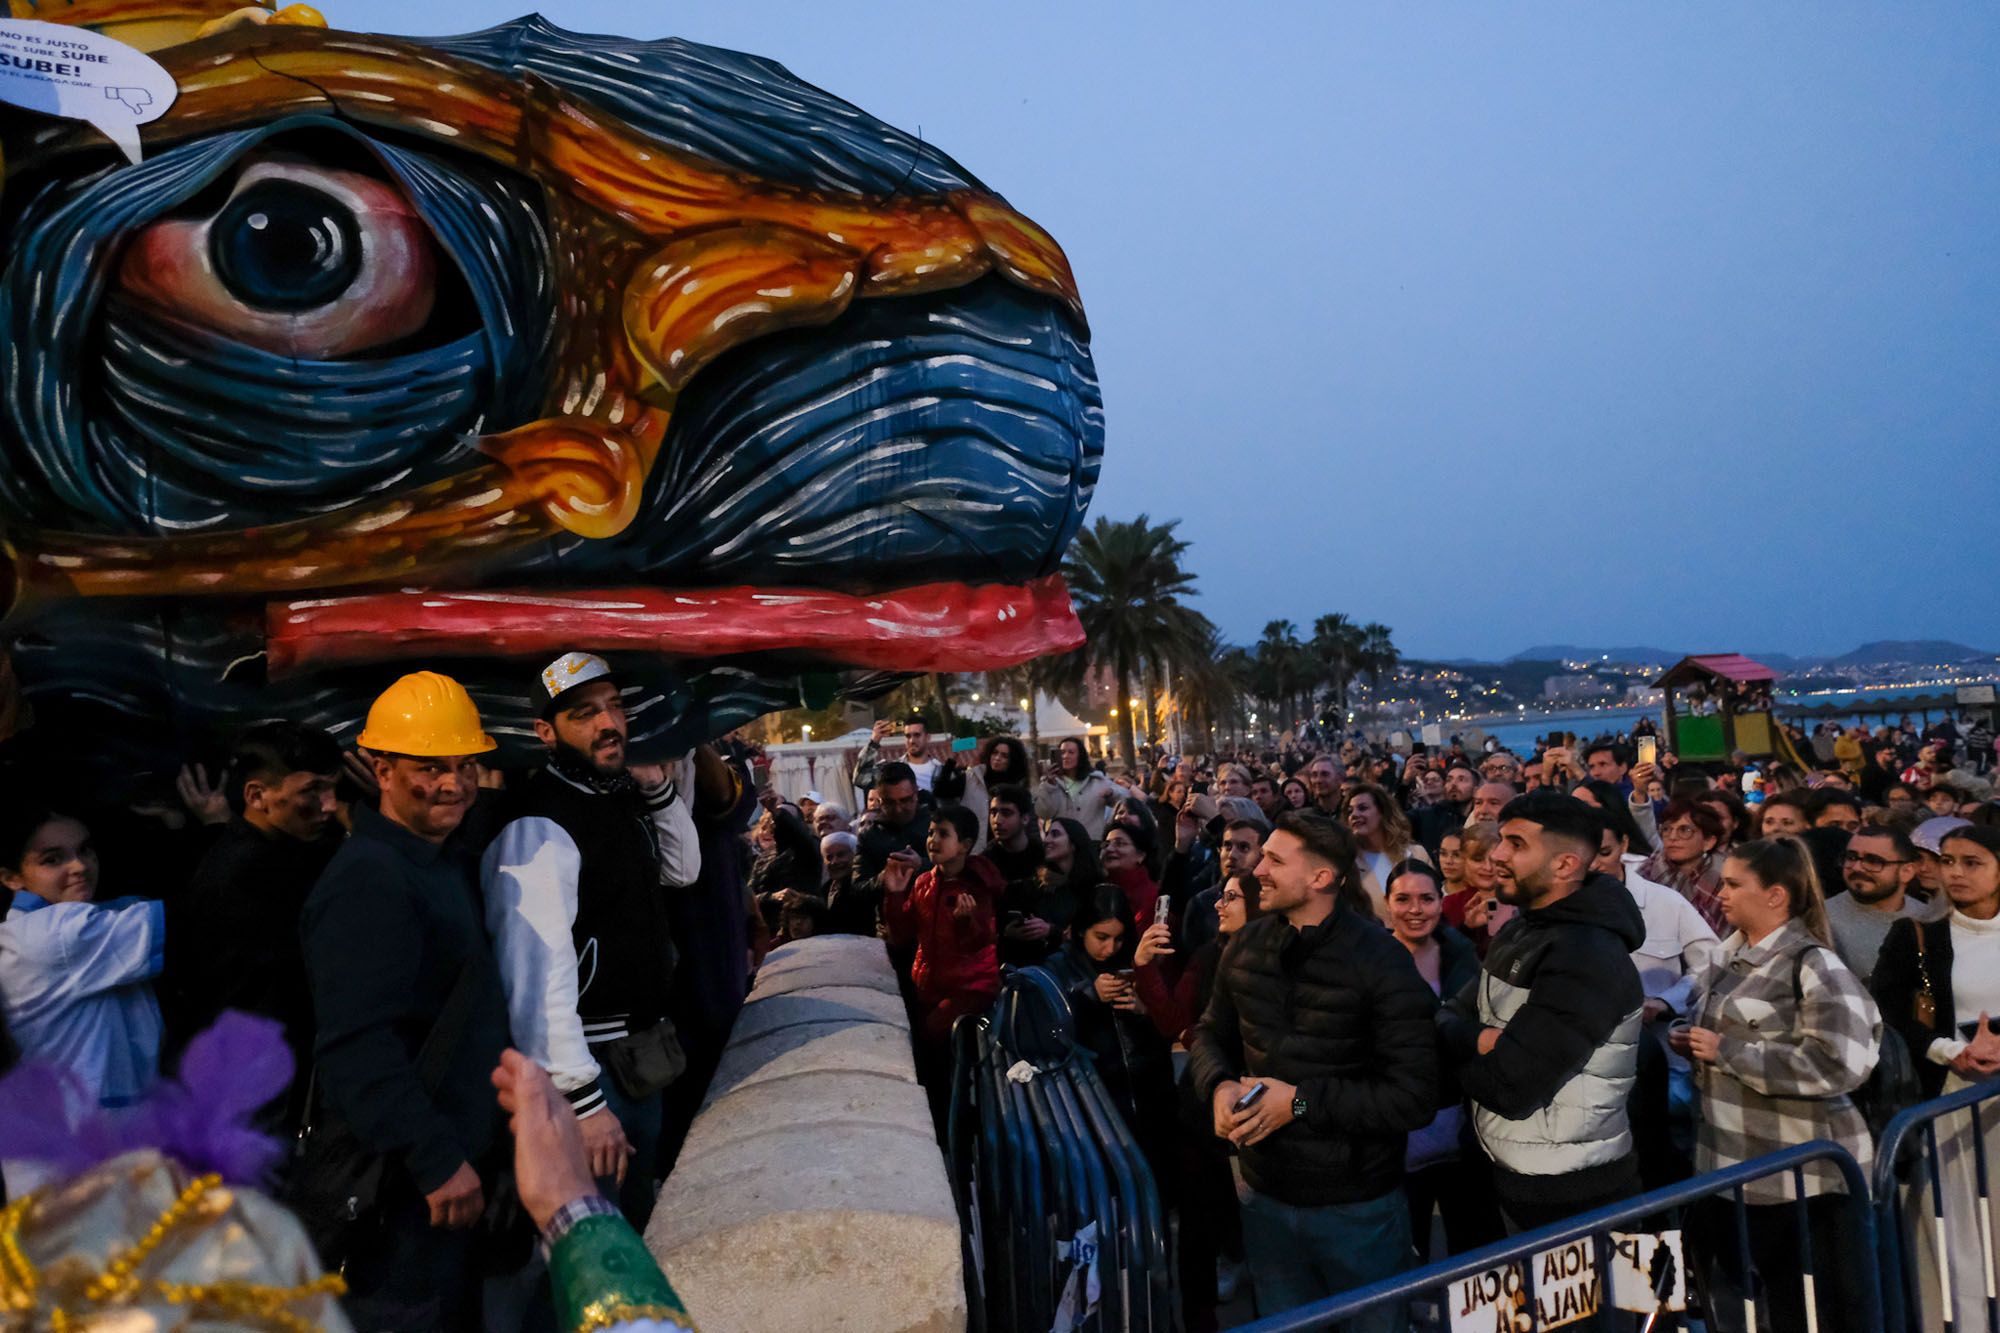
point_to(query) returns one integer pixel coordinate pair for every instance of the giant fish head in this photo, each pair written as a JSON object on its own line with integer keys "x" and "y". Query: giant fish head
{"x": 465, "y": 352}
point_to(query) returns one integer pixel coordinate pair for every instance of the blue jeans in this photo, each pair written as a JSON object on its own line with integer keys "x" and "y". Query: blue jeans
{"x": 641, "y": 1120}
{"x": 1301, "y": 1255}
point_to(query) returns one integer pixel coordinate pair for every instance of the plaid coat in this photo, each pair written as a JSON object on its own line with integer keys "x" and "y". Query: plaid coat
{"x": 1799, "y": 1033}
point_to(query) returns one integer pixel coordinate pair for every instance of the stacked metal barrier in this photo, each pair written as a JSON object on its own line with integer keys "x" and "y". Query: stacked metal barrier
{"x": 1920, "y": 1181}
{"x": 1426, "y": 1296}
{"x": 1064, "y": 1224}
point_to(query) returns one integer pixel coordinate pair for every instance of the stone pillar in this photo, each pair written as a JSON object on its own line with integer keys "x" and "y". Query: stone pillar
{"x": 812, "y": 1194}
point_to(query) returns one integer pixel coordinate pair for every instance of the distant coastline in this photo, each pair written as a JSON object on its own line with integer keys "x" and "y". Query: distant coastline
{"x": 1526, "y": 724}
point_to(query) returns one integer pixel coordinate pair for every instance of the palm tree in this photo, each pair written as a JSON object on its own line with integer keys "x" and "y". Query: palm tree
{"x": 1378, "y": 654}
{"x": 1283, "y": 672}
{"x": 1212, "y": 688}
{"x": 1336, "y": 649}
{"x": 1126, "y": 581}
{"x": 1029, "y": 681}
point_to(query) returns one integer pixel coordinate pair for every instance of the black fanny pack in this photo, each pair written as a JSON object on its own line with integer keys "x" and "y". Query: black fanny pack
{"x": 644, "y": 1062}
{"x": 333, "y": 1181}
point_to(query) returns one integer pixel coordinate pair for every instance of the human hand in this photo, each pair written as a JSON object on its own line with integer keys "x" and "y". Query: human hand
{"x": 963, "y": 906}
{"x": 551, "y": 1167}
{"x": 361, "y": 772}
{"x": 1272, "y": 1113}
{"x": 1025, "y": 928}
{"x": 1478, "y": 910}
{"x": 1984, "y": 1048}
{"x": 900, "y": 870}
{"x": 1642, "y": 776}
{"x": 1703, "y": 1044}
{"x": 605, "y": 1146}
{"x": 457, "y": 1204}
{"x": 1186, "y": 828}
{"x": 1668, "y": 759}
{"x": 1111, "y": 988}
{"x": 1488, "y": 1039}
{"x": 1226, "y": 1094}
{"x": 1654, "y": 1010}
{"x": 882, "y": 729}
{"x": 205, "y": 801}
{"x": 1157, "y": 941}
{"x": 648, "y": 775}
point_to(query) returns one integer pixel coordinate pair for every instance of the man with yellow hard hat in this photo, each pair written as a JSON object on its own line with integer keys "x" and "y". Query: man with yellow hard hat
{"x": 411, "y": 1015}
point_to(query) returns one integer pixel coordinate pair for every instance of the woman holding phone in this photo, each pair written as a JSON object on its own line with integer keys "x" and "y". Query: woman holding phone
{"x": 1444, "y": 1169}
{"x": 1474, "y": 909}
{"x": 1096, "y": 969}
{"x": 1174, "y": 994}
{"x": 1938, "y": 983}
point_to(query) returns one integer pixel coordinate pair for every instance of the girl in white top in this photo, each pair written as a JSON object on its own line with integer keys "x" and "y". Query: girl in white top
{"x": 1938, "y": 985}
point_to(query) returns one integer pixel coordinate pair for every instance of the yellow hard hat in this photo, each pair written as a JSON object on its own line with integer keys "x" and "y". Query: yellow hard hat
{"x": 428, "y": 715}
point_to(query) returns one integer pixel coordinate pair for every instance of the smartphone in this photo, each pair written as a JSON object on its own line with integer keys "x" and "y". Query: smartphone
{"x": 1250, "y": 1098}
{"x": 1164, "y": 909}
{"x": 1649, "y": 749}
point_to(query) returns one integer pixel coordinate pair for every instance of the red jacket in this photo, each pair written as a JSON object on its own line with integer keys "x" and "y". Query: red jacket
{"x": 1142, "y": 895}
{"x": 957, "y": 956}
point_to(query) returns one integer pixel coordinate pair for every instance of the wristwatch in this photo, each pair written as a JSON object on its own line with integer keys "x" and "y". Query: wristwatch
{"x": 1298, "y": 1106}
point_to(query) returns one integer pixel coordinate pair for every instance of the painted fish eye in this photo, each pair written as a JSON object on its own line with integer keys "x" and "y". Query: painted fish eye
{"x": 282, "y": 245}
{"x": 302, "y": 260}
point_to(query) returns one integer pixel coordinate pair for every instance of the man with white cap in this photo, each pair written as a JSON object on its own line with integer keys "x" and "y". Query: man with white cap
{"x": 575, "y": 891}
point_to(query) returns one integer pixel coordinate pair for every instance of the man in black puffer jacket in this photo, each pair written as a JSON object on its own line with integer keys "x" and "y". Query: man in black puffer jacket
{"x": 1320, "y": 1007}
{"x": 1545, "y": 1040}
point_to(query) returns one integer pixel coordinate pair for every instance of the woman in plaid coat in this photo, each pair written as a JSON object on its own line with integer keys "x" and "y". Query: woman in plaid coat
{"x": 1782, "y": 1034}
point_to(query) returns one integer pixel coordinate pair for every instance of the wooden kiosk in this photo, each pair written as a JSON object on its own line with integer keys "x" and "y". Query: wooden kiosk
{"x": 1717, "y": 704}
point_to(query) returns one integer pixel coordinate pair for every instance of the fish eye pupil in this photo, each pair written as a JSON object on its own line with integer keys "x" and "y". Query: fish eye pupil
{"x": 280, "y": 245}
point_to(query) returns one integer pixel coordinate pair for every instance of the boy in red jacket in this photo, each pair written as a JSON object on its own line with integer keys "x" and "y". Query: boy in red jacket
{"x": 950, "y": 912}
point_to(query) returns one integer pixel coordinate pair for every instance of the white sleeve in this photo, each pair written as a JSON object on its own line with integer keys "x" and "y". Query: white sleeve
{"x": 1699, "y": 948}
{"x": 108, "y": 945}
{"x": 529, "y": 879}
{"x": 673, "y": 831}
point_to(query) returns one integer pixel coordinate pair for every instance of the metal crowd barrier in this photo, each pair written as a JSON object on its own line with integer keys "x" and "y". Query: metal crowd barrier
{"x": 1937, "y": 1195}
{"x": 1626, "y": 1266}
{"x": 1064, "y": 1224}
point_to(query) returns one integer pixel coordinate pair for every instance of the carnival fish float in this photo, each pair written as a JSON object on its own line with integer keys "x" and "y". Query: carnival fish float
{"x": 465, "y": 351}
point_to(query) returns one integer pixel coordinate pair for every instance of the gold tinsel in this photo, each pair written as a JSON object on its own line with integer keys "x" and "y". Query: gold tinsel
{"x": 137, "y": 1246}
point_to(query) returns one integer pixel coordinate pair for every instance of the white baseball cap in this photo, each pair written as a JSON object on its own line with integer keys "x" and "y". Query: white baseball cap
{"x": 567, "y": 672}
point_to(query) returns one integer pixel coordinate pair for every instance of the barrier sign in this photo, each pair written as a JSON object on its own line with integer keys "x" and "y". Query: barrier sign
{"x": 1496, "y": 1301}
{"x": 1648, "y": 1274}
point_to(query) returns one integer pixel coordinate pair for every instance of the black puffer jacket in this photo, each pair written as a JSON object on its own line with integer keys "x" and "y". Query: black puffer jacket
{"x": 1340, "y": 1010}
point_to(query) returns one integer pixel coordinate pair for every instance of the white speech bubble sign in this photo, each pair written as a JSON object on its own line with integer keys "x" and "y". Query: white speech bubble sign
{"x": 83, "y": 75}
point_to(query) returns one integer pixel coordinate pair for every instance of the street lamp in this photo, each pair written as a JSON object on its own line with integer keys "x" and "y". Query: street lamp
{"x": 807, "y": 729}
{"x": 1135, "y": 701}
{"x": 1024, "y": 705}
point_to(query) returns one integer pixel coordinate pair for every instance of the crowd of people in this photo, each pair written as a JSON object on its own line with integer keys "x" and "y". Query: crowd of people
{"x": 1427, "y": 997}
{"x": 1360, "y": 1006}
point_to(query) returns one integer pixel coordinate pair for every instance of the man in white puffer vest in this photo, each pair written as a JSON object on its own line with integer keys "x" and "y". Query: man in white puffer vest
{"x": 1545, "y": 1040}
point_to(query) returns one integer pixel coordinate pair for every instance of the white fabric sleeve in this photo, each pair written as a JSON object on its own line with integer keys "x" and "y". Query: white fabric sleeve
{"x": 529, "y": 878}
{"x": 673, "y": 831}
{"x": 1699, "y": 948}
{"x": 1943, "y": 1050}
{"x": 105, "y": 946}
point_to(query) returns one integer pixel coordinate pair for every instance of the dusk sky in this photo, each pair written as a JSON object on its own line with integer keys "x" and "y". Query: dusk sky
{"x": 1605, "y": 324}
